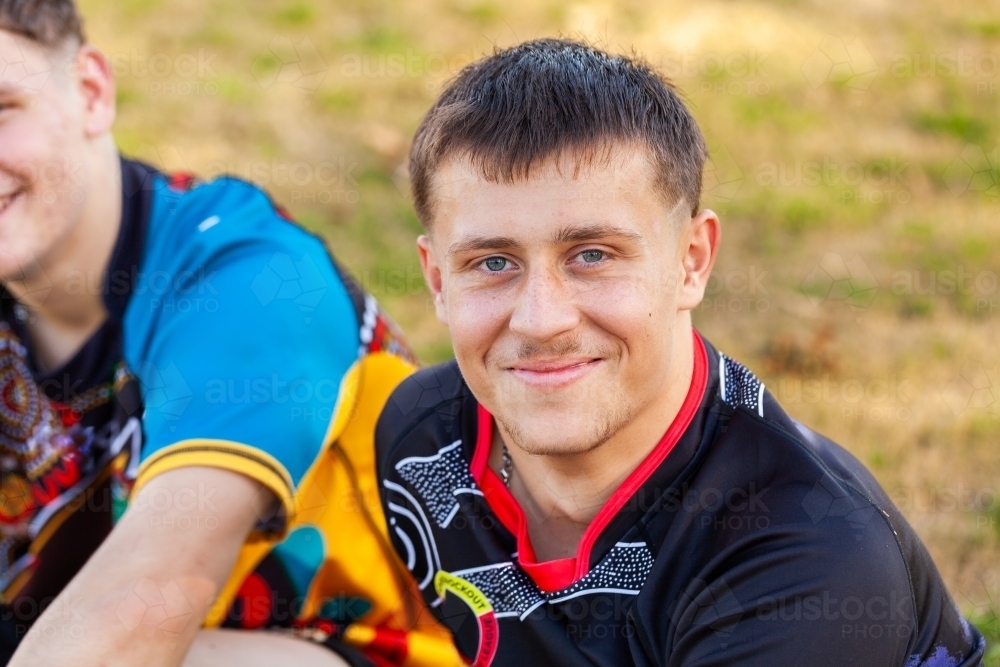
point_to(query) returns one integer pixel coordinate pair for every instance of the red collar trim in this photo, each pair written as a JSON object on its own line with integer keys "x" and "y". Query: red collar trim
{"x": 554, "y": 575}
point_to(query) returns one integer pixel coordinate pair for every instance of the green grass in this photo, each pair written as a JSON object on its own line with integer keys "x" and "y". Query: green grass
{"x": 988, "y": 623}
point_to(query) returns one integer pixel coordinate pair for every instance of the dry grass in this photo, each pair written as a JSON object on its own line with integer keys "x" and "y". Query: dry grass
{"x": 840, "y": 139}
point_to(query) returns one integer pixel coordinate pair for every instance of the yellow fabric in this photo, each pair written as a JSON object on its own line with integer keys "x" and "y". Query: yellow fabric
{"x": 339, "y": 496}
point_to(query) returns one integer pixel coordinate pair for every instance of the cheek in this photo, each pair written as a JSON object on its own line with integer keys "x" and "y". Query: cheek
{"x": 43, "y": 151}
{"x": 638, "y": 309}
{"x": 475, "y": 320}
{"x": 40, "y": 156}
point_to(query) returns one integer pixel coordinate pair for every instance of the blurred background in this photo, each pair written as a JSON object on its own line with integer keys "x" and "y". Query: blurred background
{"x": 855, "y": 166}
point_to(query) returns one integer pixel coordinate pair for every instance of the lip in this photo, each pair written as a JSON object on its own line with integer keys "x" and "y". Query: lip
{"x": 553, "y": 373}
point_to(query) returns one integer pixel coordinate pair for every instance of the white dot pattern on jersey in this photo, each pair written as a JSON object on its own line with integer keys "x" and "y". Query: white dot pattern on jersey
{"x": 625, "y": 568}
{"x": 739, "y": 387}
{"x": 512, "y": 593}
{"x": 438, "y": 480}
{"x": 509, "y": 589}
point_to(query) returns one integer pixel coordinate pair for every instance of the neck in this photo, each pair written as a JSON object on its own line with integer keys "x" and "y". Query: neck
{"x": 561, "y": 495}
{"x": 63, "y": 293}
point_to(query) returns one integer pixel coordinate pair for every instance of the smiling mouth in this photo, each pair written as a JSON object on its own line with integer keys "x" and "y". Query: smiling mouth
{"x": 6, "y": 201}
{"x": 554, "y": 374}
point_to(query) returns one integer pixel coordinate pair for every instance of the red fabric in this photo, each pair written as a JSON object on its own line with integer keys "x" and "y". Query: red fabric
{"x": 255, "y": 594}
{"x": 181, "y": 182}
{"x": 388, "y": 646}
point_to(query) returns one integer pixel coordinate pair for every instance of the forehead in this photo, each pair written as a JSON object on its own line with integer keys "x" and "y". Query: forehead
{"x": 616, "y": 188}
{"x": 25, "y": 65}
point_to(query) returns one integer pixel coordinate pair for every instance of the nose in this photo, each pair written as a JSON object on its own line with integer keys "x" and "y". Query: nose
{"x": 545, "y": 307}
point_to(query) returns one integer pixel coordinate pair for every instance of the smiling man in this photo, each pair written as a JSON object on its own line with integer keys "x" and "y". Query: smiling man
{"x": 590, "y": 482}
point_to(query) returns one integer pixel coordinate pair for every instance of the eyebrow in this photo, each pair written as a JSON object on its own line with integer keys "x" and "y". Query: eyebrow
{"x": 481, "y": 243}
{"x": 577, "y": 234}
{"x": 574, "y": 234}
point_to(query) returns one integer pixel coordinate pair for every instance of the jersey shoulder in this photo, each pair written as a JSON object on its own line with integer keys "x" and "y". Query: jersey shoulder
{"x": 424, "y": 409}
{"x": 796, "y": 448}
{"x": 825, "y": 510}
{"x": 188, "y": 213}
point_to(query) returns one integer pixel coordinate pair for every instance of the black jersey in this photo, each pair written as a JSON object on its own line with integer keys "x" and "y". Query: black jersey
{"x": 743, "y": 538}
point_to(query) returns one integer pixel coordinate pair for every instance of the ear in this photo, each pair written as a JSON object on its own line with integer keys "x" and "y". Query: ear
{"x": 702, "y": 239}
{"x": 432, "y": 276}
{"x": 96, "y": 84}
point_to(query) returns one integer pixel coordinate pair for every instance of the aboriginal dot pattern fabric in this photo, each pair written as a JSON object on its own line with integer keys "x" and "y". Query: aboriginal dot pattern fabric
{"x": 739, "y": 387}
{"x": 438, "y": 480}
{"x": 624, "y": 569}
{"x": 509, "y": 589}
{"x": 512, "y": 593}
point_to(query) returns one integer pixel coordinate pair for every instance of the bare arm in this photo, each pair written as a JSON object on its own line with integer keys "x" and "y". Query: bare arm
{"x": 257, "y": 648}
{"x": 141, "y": 598}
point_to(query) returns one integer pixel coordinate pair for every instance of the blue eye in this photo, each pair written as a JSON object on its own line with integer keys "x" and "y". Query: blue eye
{"x": 591, "y": 256}
{"x": 495, "y": 264}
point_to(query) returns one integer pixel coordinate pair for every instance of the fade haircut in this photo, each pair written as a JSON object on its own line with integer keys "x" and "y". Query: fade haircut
{"x": 523, "y": 106}
{"x": 50, "y": 23}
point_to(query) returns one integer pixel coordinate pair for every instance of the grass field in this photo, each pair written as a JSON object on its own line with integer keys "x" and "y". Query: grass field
{"x": 855, "y": 168}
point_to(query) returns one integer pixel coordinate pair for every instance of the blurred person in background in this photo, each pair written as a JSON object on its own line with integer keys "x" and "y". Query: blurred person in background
{"x": 591, "y": 482}
{"x": 188, "y": 388}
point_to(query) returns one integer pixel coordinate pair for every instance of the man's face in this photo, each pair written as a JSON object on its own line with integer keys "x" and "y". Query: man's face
{"x": 562, "y": 293}
{"x": 42, "y": 146}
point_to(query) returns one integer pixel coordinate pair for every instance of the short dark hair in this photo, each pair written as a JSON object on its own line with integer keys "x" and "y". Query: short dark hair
{"x": 512, "y": 111}
{"x": 51, "y": 23}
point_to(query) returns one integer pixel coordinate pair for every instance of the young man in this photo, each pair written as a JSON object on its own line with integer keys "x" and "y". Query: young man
{"x": 183, "y": 350}
{"x": 591, "y": 482}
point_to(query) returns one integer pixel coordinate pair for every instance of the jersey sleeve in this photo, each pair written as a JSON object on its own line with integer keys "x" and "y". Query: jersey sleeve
{"x": 240, "y": 332}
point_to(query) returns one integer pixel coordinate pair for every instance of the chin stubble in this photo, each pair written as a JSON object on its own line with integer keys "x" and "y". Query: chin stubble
{"x": 605, "y": 428}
